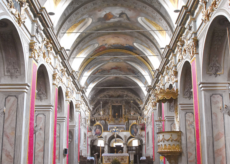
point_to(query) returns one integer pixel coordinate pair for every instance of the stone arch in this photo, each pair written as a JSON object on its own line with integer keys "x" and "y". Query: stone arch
{"x": 61, "y": 101}
{"x": 215, "y": 57}
{"x": 215, "y": 69}
{"x": 185, "y": 82}
{"x": 110, "y": 139}
{"x": 43, "y": 94}
{"x": 12, "y": 64}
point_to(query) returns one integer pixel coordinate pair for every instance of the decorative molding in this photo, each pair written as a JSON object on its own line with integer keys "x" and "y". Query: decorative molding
{"x": 18, "y": 87}
{"x": 206, "y": 86}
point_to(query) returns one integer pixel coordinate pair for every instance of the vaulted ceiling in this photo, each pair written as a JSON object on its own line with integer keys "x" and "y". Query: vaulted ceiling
{"x": 114, "y": 45}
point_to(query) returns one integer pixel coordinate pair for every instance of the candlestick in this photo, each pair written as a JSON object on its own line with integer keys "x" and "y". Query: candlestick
{"x": 100, "y": 152}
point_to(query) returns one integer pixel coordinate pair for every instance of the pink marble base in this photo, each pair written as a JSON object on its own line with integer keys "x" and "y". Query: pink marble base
{"x": 218, "y": 129}
{"x": 58, "y": 143}
{"x": 190, "y": 134}
{"x": 39, "y": 131}
{"x": 9, "y": 131}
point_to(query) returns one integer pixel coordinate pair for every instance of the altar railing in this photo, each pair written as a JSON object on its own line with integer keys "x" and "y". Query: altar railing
{"x": 108, "y": 158}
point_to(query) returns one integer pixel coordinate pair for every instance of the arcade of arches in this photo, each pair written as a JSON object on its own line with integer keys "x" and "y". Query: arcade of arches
{"x": 95, "y": 81}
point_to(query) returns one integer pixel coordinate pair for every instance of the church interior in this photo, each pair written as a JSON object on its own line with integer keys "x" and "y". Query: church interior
{"x": 114, "y": 81}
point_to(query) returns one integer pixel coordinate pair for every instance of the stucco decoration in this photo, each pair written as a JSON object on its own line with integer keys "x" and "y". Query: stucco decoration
{"x": 188, "y": 84}
{"x": 216, "y": 52}
{"x": 9, "y": 49}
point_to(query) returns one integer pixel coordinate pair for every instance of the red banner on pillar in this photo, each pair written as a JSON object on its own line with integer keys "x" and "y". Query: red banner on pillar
{"x": 87, "y": 141}
{"x": 31, "y": 115}
{"x": 79, "y": 136}
{"x": 163, "y": 124}
{"x": 196, "y": 111}
{"x": 55, "y": 125}
{"x": 67, "y": 136}
{"x": 145, "y": 139}
{"x": 153, "y": 137}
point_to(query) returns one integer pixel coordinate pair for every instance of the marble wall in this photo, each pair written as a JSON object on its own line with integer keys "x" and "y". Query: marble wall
{"x": 39, "y": 134}
{"x": 218, "y": 129}
{"x": 9, "y": 130}
{"x": 190, "y": 138}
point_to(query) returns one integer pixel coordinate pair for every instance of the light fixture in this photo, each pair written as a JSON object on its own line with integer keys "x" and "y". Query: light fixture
{"x": 67, "y": 49}
{"x": 162, "y": 48}
{"x": 176, "y": 11}
{"x": 51, "y": 13}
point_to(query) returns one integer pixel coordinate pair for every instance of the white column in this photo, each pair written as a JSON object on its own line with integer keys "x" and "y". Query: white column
{"x": 106, "y": 147}
{"x": 124, "y": 148}
{"x": 143, "y": 150}
{"x": 131, "y": 155}
{"x": 88, "y": 153}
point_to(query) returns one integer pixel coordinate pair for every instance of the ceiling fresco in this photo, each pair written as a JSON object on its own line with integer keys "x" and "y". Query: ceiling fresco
{"x": 113, "y": 14}
{"x": 116, "y": 68}
{"x": 74, "y": 13}
{"x": 120, "y": 41}
{"x": 116, "y": 41}
{"x": 114, "y": 45}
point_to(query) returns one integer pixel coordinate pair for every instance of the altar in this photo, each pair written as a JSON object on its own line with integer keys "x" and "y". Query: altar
{"x": 108, "y": 158}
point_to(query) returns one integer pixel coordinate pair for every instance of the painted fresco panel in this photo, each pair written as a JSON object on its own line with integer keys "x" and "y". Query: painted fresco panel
{"x": 39, "y": 132}
{"x": 190, "y": 138}
{"x": 9, "y": 130}
{"x": 218, "y": 129}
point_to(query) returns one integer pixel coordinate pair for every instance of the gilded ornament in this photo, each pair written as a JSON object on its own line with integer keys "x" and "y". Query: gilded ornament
{"x": 19, "y": 16}
{"x": 55, "y": 78}
{"x": 207, "y": 12}
{"x": 34, "y": 50}
{"x": 164, "y": 95}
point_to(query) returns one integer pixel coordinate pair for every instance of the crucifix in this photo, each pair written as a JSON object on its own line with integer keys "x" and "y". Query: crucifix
{"x": 115, "y": 131}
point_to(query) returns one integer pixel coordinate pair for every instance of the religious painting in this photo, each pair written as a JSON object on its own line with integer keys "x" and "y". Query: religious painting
{"x": 115, "y": 14}
{"x": 116, "y": 68}
{"x": 117, "y": 111}
{"x": 133, "y": 130}
{"x": 116, "y": 41}
{"x": 97, "y": 129}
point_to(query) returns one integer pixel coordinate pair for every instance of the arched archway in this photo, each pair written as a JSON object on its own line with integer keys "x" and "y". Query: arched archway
{"x": 61, "y": 126}
{"x": 112, "y": 147}
{"x": 12, "y": 64}
{"x": 42, "y": 115}
{"x": 186, "y": 113}
{"x": 215, "y": 75}
{"x": 13, "y": 108}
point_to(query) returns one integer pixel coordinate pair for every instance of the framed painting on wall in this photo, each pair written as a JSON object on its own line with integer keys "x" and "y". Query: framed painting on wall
{"x": 97, "y": 129}
{"x": 133, "y": 130}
